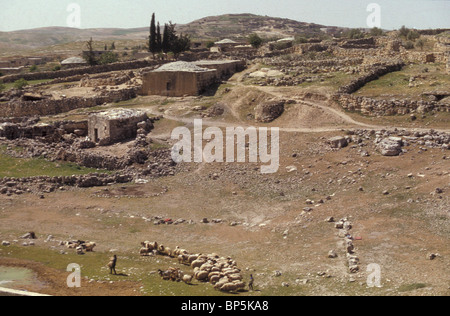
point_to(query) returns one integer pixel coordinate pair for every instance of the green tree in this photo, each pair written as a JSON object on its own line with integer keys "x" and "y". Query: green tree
{"x": 169, "y": 37}
{"x": 180, "y": 44}
{"x": 165, "y": 45}
{"x": 354, "y": 34}
{"x": 420, "y": 43}
{"x": 108, "y": 58}
{"x": 89, "y": 55}
{"x": 403, "y": 31}
{"x": 20, "y": 84}
{"x": 412, "y": 35}
{"x": 376, "y": 31}
{"x": 408, "y": 45}
{"x": 255, "y": 40}
{"x": 152, "y": 43}
{"x": 158, "y": 39}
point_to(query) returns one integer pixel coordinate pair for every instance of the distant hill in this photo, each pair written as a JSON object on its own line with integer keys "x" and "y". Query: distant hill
{"x": 237, "y": 26}
{"x": 234, "y": 26}
{"x": 49, "y": 36}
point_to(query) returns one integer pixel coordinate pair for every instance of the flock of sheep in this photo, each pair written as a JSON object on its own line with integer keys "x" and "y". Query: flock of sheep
{"x": 80, "y": 246}
{"x": 221, "y": 272}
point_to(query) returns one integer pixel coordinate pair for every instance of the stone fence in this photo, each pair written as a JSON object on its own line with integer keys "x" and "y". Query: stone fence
{"x": 53, "y": 107}
{"x": 372, "y": 75}
{"x": 374, "y": 107}
{"x": 135, "y": 64}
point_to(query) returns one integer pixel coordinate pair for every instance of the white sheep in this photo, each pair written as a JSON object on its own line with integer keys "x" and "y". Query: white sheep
{"x": 197, "y": 263}
{"x": 234, "y": 277}
{"x": 201, "y": 275}
{"x": 192, "y": 258}
{"x": 206, "y": 267}
{"x": 89, "y": 247}
{"x": 229, "y": 287}
{"x": 187, "y": 279}
{"x": 182, "y": 259}
{"x": 179, "y": 251}
{"x": 239, "y": 285}
{"x": 79, "y": 250}
{"x": 214, "y": 278}
{"x": 144, "y": 251}
{"x": 222, "y": 281}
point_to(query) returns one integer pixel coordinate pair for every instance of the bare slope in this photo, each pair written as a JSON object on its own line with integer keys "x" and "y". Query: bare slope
{"x": 241, "y": 25}
{"x": 231, "y": 25}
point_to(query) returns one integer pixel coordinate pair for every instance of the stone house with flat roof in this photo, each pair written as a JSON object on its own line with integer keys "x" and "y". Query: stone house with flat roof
{"x": 114, "y": 126}
{"x": 183, "y": 78}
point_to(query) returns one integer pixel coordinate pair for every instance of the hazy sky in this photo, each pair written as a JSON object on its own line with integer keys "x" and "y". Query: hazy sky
{"x": 26, "y": 14}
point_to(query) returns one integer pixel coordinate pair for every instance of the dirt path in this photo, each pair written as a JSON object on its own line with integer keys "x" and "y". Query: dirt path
{"x": 346, "y": 118}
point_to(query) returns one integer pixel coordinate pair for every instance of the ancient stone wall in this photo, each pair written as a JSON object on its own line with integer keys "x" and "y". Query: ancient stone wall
{"x": 372, "y": 75}
{"x": 52, "y": 107}
{"x": 136, "y": 64}
{"x": 374, "y": 107}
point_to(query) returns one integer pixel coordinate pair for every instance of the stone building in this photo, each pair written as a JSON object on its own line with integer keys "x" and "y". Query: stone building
{"x": 183, "y": 78}
{"x": 225, "y": 45}
{"x": 73, "y": 62}
{"x": 115, "y": 125}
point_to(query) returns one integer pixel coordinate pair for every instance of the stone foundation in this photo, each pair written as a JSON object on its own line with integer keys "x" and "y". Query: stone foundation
{"x": 373, "y": 107}
{"x": 53, "y": 107}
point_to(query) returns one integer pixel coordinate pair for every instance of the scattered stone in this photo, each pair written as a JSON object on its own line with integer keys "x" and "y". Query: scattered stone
{"x": 338, "y": 142}
{"x": 332, "y": 254}
{"x": 391, "y": 146}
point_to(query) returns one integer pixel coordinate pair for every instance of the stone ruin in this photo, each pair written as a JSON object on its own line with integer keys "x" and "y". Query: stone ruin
{"x": 117, "y": 125}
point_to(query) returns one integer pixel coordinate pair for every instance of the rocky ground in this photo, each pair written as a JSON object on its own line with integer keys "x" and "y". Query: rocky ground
{"x": 350, "y": 197}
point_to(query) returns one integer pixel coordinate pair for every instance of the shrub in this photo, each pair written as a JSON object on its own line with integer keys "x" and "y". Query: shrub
{"x": 20, "y": 84}
{"x": 108, "y": 58}
{"x": 408, "y": 45}
{"x": 354, "y": 34}
{"x": 412, "y": 35}
{"x": 376, "y": 31}
{"x": 404, "y": 31}
{"x": 420, "y": 44}
{"x": 255, "y": 40}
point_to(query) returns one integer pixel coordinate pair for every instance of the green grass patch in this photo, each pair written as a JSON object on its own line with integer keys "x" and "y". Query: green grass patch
{"x": 32, "y": 167}
{"x": 429, "y": 77}
{"x": 411, "y": 287}
{"x": 130, "y": 267}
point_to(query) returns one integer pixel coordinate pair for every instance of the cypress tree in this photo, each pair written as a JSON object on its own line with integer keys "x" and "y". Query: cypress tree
{"x": 158, "y": 39}
{"x": 89, "y": 55}
{"x": 152, "y": 38}
{"x": 165, "y": 45}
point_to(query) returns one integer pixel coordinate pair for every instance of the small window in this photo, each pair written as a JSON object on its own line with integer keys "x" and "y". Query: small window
{"x": 169, "y": 86}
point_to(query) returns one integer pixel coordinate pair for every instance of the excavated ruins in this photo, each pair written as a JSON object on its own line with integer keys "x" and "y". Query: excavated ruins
{"x": 117, "y": 119}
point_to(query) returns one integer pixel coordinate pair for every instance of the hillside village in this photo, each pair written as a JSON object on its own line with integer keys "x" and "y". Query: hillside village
{"x": 85, "y": 154}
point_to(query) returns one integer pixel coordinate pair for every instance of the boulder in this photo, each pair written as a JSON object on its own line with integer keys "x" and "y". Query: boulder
{"x": 332, "y": 254}
{"x": 391, "y": 146}
{"x": 338, "y": 142}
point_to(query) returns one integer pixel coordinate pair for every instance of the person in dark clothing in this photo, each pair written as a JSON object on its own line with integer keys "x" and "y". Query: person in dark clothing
{"x": 112, "y": 265}
{"x": 250, "y": 284}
